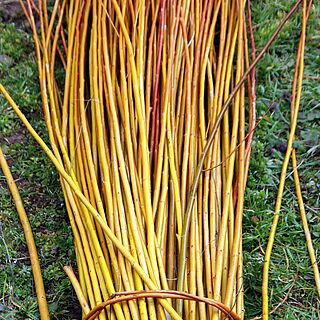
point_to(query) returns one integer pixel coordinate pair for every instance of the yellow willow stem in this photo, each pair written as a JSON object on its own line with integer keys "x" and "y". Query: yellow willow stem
{"x": 174, "y": 178}
{"x": 204, "y": 64}
{"x": 77, "y": 288}
{"x": 235, "y": 246}
{"x": 35, "y": 264}
{"x": 179, "y": 45}
{"x": 161, "y": 217}
{"x": 73, "y": 16}
{"x": 122, "y": 165}
{"x": 149, "y": 65}
{"x": 81, "y": 276}
{"x": 240, "y": 289}
{"x": 136, "y": 185}
{"x": 97, "y": 102}
{"x": 52, "y": 19}
{"x": 295, "y": 103}
{"x": 43, "y": 89}
{"x": 199, "y": 263}
{"x": 126, "y": 269}
{"x": 192, "y": 268}
{"x": 187, "y": 121}
{"x": 305, "y": 223}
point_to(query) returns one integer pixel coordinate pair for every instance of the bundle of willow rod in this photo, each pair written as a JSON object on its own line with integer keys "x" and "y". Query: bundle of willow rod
{"x": 153, "y": 163}
{"x": 144, "y": 84}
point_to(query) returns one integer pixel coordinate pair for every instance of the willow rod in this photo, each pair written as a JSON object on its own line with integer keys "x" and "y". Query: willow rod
{"x": 33, "y": 253}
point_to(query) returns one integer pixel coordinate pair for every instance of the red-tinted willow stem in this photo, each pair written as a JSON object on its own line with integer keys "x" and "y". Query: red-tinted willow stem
{"x": 252, "y": 84}
{"x": 154, "y": 136}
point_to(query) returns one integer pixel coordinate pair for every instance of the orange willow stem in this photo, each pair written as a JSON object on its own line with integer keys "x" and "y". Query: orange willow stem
{"x": 35, "y": 264}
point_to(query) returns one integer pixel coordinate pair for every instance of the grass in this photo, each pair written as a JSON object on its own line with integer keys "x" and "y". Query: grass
{"x": 40, "y": 189}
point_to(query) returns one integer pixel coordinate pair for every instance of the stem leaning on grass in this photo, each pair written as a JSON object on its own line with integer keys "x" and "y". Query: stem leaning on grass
{"x": 32, "y": 249}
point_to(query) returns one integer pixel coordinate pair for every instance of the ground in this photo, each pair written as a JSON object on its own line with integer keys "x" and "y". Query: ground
{"x": 39, "y": 186}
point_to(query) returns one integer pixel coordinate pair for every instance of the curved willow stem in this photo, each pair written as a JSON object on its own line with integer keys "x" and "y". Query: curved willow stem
{"x": 159, "y": 294}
